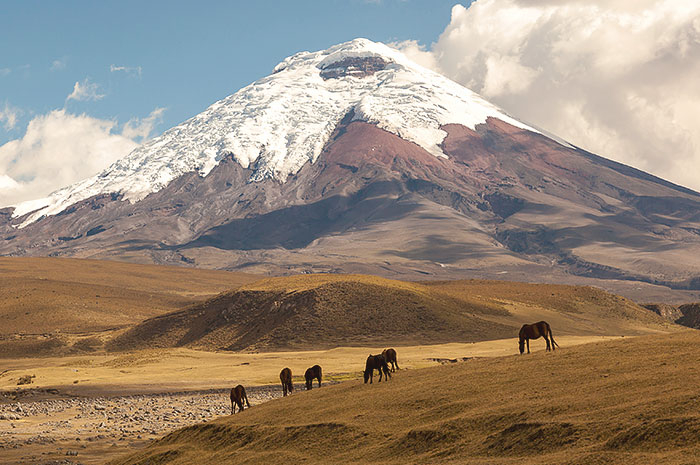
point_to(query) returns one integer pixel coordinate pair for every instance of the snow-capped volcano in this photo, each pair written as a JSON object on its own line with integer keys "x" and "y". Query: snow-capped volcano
{"x": 355, "y": 159}
{"x": 281, "y": 122}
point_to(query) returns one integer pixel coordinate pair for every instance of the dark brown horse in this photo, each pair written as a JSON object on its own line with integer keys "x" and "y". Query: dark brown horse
{"x": 376, "y": 362}
{"x": 534, "y": 331}
{"x": 312, "y": 373}
{"x": 237, "y": 397}
{"x": 390, "y": 357}
{"x": 286, "y": 379}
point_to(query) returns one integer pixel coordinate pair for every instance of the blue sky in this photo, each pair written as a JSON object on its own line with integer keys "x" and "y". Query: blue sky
{"x": 177, "y": 55}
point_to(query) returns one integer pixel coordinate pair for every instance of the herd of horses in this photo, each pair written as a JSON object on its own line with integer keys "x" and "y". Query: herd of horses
{"x": 381, "y": 362}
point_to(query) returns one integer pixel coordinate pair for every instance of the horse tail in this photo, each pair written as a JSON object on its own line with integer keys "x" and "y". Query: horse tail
{"x": 245, "y": 396}
{"x": 551, "y": 336}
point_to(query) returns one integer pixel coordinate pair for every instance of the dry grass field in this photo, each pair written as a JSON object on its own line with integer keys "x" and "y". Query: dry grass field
{"x": 46, "y": 302}
{"x": 142, "y": 342}
{"x": 162, "y": 370}
{"x": 629, "y": 401}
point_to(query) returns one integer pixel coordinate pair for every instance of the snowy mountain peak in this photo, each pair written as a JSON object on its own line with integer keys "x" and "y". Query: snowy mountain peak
{"x": 279, "y": 123}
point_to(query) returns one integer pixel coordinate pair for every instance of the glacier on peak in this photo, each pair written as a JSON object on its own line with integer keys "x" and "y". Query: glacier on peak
{"x": 281, "y": 122}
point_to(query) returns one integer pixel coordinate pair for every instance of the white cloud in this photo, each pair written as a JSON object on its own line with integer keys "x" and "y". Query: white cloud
{"x": 58, "y": 64}
{"x": 617, "y": 77}
{"x": 8, "y": 116}
{"x": 133, "y": 70}
{"x": 5, "y": 71}
{"x": 85, "y": 91}
{"x": 141, "y": 129}
{"x": 60, "y": 148}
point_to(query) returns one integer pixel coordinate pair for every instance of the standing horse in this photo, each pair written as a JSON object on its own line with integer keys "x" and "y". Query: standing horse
{"x": 390, "y": 357}
{"x": 312, "y": 373}
{"x": 286, "y": 379}
{"x": 238, "y": 395}
{"x": 534, "y": 331}
{"x": 376, "y": 362}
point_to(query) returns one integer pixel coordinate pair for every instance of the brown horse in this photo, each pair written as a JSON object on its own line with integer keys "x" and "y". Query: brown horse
{"x": 390, "y": 357}
{"x": 376, "y": 362}
{"x": 286, "y": 379}
{"x": 534, "y": 331}
{"x": 312, "y": 373}
{"x": 238, "y": 395}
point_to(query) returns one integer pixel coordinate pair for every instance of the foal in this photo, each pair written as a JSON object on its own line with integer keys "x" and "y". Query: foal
{"x": 238, "y": 395}
{"x": 286, "y": 379}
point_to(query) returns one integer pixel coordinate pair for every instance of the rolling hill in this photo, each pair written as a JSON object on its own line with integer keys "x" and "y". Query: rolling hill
{"x": 622, "y": 402}
{"x": 325, "y": 311}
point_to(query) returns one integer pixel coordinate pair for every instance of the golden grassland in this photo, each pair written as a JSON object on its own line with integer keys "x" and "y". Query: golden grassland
{"x": 52, "y": 305}
{"x": 39, "y": 295}
{"x": 632, "y": 400}
{"x": 161, "y": 370}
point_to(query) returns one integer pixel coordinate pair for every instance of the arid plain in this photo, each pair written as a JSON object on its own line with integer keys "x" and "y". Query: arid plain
{"x": 617, "y": 390}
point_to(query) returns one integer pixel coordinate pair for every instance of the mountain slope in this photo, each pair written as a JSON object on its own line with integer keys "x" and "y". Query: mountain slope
{"x": 372, "y": 164}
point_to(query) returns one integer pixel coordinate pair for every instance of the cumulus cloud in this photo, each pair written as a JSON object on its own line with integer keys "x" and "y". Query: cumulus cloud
{"x": 616, "y": 77}
{"x": 61, "y": 148}
{"x": 85, "y": 91}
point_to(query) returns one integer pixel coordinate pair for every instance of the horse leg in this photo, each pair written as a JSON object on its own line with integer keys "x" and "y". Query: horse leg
{"x": 233, "y": 407}
{"x": 546, "y": 339}
{"x": 528, "y": 345}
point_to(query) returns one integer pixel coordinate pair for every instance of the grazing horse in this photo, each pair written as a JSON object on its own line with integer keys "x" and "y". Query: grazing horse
{"x": 390, "y": 357}
{"x": 237, "y": 397}
{"x": 286, "y": 379}
{"x": 312, "y": 373}
{"x": 376, "y": 362}
{"x": 534, "y": 331}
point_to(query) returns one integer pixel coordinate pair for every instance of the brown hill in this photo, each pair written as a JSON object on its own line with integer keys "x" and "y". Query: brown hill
{"x": 323, "y": 311}
{"x": 621, "y": 402}
{"x": 46, "y": 300}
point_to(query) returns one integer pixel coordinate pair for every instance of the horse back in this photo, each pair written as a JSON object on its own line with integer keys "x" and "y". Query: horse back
{"x": 535, "y": 330}
{"x": 285, "y": 375}
{"x": 237, "y": 393}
